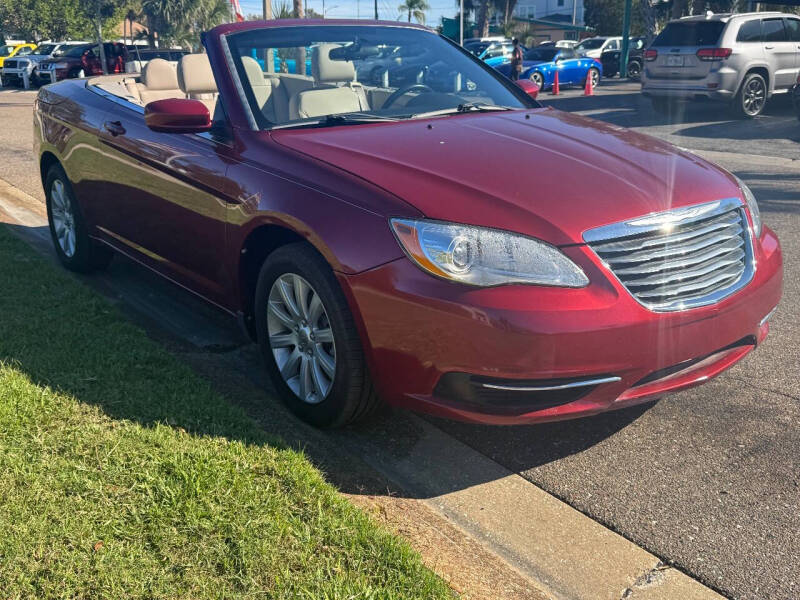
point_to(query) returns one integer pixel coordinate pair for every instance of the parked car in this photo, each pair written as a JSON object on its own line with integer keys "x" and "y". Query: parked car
{"x": 82, "y": 61}
{"x": 139, "y": 57}
{"x": 15, "y": 69}
{"x": 611, "y": 58}
{"x": 559, "y": 43}
{"x": 11, "y": 50}
{"x": 739, "y": 59}
{"x": 372, "y": 243}
{"x": 541, "y": 63}
{"x": 796, "y": 96}
{"x": 595, "y": 46}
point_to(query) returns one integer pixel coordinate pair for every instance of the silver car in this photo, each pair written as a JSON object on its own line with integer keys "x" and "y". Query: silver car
{"x": 742, "y": 59}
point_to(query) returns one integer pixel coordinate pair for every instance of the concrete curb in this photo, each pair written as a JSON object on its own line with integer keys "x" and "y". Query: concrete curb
{"x": 567, "y": 554}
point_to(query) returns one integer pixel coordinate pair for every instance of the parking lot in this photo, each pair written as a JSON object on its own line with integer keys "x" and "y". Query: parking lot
{"x": 709, "y": 479}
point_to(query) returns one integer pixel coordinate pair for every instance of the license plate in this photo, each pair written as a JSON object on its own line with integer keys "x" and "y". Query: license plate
{"x": 674, "y": 61}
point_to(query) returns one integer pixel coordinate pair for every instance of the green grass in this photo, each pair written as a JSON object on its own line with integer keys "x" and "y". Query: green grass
{"x": 124, "y": 475}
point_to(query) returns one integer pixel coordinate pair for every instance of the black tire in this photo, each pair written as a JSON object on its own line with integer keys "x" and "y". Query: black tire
{"x": 634, "y": 70}
{"x": 745, "y": 105}
{"x": 88, "y": 255}
{"x": 351, "y": 396}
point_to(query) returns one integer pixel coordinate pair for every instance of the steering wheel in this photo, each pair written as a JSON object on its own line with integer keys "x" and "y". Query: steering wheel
{"x": 414, "y": 87}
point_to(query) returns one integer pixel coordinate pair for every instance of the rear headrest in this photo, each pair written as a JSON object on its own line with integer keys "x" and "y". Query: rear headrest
{"x": 326, "y": 70}
{"x": 253, "y": 70}
{"x": 158, "y": 74}
{"x": 195, "y": 75}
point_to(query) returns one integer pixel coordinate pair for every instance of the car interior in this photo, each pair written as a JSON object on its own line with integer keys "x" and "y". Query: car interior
{"x": 331, "y": 89}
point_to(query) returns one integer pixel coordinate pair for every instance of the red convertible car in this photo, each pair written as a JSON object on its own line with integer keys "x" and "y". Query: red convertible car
{"x": 450, "y": 246}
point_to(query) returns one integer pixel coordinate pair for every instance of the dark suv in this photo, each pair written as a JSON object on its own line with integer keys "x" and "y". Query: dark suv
{"x": 81, "y": 61}
{"x": 610, "y": 59}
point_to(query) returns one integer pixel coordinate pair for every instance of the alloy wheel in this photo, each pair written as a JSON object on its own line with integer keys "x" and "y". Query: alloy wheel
{"x": 537, "y": 78}
{"x": 301, "y": 338}
{"x": 754, "y": 96}
{"x": 595, "y": 75}
{"x": 63, "y": 218}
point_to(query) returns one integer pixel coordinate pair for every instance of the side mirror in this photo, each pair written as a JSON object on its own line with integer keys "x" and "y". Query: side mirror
{"x": 528, "y": 87}
{"x": 177, "y": 115}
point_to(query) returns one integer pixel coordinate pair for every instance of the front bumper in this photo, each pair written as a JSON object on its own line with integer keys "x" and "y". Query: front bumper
{"x": 427, "y": 339}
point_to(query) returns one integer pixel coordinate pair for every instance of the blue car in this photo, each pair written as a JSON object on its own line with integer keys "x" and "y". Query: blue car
{"x": 540, "y": 65}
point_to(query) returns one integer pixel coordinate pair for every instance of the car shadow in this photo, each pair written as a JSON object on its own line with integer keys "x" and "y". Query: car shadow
{"x": 359, "y": 459}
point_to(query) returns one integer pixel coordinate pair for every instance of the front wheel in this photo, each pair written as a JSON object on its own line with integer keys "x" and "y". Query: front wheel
{"x": 752, "y": 97}
{"x": 309, "y": 340}
{"x": 74, "y": 248}
{"x": 538, "y": 79}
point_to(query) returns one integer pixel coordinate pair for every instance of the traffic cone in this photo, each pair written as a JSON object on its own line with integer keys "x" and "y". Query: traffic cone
{"x": 554, "y": 91}
{"x": 588, "y": 89}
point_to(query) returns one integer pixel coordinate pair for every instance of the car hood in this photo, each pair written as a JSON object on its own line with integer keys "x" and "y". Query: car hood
{"x": 540, "y": 172}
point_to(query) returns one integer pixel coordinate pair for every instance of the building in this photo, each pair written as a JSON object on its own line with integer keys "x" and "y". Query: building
{"x": 557, "y": 11}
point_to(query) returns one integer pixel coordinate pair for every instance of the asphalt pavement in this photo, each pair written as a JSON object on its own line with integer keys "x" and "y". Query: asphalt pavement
{"x": 709, "y": 479}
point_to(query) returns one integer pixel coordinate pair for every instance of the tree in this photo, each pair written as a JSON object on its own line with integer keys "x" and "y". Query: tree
{"x": 415, "y": 8}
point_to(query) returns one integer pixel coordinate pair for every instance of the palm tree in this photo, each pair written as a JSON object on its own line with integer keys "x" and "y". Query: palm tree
{"x": 415, "y": 8}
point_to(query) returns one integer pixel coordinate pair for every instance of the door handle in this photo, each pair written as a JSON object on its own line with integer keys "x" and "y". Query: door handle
{"x": 115, "y": 128}
{"x": 769, "y": 47}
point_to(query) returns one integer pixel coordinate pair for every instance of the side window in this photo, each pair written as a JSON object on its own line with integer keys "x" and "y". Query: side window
{"x": 773, "y": 30}
{"x": 612, "y": 45}
{"x": 25, "y": 51}
{"x": 793, "y": 29}
{"x": 749, "y": 31}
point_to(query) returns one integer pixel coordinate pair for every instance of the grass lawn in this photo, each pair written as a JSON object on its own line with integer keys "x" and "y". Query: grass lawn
{"x": 124, "y": 475}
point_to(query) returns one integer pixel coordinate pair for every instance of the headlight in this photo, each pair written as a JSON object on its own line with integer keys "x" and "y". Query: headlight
{"x": 752, "y": 206}
{"x": 485, "y": 257}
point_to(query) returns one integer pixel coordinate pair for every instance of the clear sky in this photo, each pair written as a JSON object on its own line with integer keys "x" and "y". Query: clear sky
{"x": 352, "y": 9}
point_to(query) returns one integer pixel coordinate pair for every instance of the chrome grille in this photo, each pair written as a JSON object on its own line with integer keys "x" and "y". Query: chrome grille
{"x": 682, "y": 258}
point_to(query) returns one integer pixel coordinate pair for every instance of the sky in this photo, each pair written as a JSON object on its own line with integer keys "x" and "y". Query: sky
{"x": 353, "y": 9}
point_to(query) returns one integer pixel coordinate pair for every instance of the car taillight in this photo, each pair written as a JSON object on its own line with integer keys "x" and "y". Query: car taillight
{"x": 650, "y": 54}
{"x": 709, "y": 54}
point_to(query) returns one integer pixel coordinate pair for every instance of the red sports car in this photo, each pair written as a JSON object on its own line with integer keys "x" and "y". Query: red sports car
{"x": 449, "y": 246}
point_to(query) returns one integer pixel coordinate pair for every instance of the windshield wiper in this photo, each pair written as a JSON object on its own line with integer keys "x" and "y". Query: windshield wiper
{"x": 334, "y": 120}
{"x": 461, "y": 108}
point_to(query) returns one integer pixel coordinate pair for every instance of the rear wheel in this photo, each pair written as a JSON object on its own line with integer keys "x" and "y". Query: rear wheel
{"x": 74, "y": 248}
{"x": 752, "y": 96}
{"x": 634, "y": 70}
{"x": 309, "y": 340}
{"x": 594, "y": 75}
{"x": 538, "y": 79}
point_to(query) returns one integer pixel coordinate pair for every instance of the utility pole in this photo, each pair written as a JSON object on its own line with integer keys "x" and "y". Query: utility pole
{"x": 626, "y": 33}
{"x": 269, "y": 62}
{"x": 461, "y": 24}
{"x": 574, "y": 12}
{"x": 376, "y": 10}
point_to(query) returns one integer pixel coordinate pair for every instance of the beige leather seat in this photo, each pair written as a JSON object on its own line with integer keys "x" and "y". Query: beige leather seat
{"x": 158, "y": 82}
{"x": 196, "y": 80}
{"x": 262, "y": 86}
{"x": 336, "y": 90}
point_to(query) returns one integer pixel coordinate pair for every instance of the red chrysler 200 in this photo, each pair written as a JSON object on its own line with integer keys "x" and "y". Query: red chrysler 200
{"x": 445, "y": 243}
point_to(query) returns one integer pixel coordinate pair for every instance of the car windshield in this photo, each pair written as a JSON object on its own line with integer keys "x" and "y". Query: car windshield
{"x": 76, "y": 51}
{"x": 690, "y": 33}
{"x": 590, "y": 44}
{"x": 542, "y": 54}
{"x": 344, "y": 70}
{"x": 6, "y": 50}
{"x": 44, "y": 49}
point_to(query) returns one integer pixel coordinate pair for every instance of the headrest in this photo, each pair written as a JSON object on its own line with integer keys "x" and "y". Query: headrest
{"x": 326, "y": 70}
{"x": 158, "y": 74}
{"x": 195, "y": 75}
{"x": 253, "y": 70}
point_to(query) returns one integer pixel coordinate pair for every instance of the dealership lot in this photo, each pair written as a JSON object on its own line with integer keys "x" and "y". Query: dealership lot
{"x": 707, "y": 479}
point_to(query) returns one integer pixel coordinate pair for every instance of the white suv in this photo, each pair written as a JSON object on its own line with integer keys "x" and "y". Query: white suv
{"x": 16, "y": 69}
{"x": 741, "y": 59}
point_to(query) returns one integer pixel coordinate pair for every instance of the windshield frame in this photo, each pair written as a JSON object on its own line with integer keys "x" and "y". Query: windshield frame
{"x": 259, "y": 122}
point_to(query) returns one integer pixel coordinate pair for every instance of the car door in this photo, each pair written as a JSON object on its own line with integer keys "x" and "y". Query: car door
{"x": 167, "y": 200}
{"x": 793, "y": 33}
{"x": 779, "y": 52}
{"x": 569, "y": 63}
